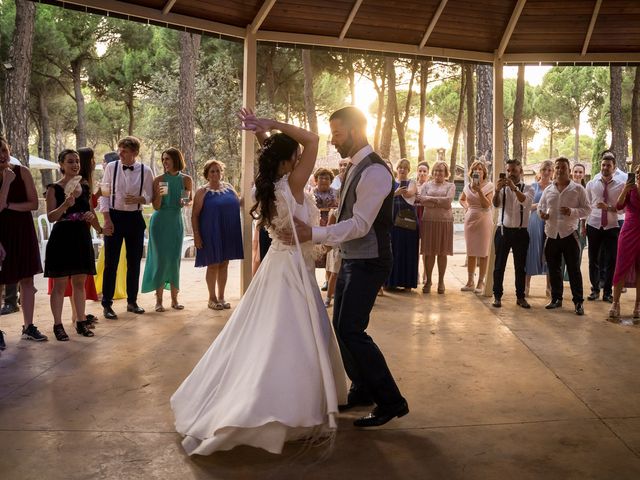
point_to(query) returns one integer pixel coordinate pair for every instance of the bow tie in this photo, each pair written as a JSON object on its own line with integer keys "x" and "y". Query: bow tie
{"x": 124, "y": 168}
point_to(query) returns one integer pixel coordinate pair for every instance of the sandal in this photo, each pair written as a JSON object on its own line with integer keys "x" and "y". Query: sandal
{"x": 177, "y": 306}
{"x": 159, "y": 307}
{"x": 58, "y": 331}
{"x": 215, "y": 305}
{"x": 426, "y": 288}
{"x": 225, "y": 305}
{"x": 91, "y": 319}
{"x": 82, "y": 329}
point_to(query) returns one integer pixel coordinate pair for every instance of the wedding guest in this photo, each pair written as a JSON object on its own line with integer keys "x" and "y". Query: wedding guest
{"x": 437, "y": 223}
{"x": 513, "y": 199}
{"x": 326, "y": 198}
{"x": 69, "y": 255}
{"x": 404, "y": 236}
{"x": 18, "y": 198}
{"x": 562, "y": 205}
{"x": 535, "y": 256}
{"x": 216, "y": 230}
{"x": 342, "y": 168}
{"x": 334, "y": 261}
{"x": 628, "y": 258}
{"x": 120, "y": 290}
{"x": 421, "y": 178}
{"x": 478, "y": 224}
{"x": 87, "y": 166}
{"x": 131, "y": 186}
{"x": 602, "y": 228}
{"x": 578, "y": 173}
{"x": 171, "y": 192}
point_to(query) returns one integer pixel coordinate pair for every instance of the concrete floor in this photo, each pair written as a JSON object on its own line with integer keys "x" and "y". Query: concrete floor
{"x": 494, "y": 394}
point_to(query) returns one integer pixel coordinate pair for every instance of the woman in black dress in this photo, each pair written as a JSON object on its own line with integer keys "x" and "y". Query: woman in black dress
{"x": 18, "y": 198}
{"x": 69, "y": 252}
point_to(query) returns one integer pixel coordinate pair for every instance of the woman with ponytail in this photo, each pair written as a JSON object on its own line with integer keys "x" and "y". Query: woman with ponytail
{"x": 274, "y": 372}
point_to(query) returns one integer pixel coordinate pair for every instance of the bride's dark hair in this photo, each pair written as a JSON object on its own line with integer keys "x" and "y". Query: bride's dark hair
{"x": 276, "y": 149}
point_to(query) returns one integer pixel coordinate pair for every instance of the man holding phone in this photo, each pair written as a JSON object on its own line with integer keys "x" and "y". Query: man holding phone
{"x": 513, "y": 199}
{"x": 603, "y": 228}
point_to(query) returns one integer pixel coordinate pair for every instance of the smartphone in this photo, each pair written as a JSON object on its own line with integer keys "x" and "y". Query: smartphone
{"x": 631, "y": 178}
{"x": 503, "y": 175}
{"x": 476, "y": 179}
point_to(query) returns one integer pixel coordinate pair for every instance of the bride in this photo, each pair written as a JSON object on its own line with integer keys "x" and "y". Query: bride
{"x": 274, "y": 373}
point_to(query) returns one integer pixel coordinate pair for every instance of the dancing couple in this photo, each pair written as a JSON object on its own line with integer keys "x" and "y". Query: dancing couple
{"x": 275, "y": 373}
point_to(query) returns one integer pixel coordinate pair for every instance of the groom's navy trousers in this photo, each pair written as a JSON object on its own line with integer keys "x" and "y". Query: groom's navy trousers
{"x": 356, "y": 291}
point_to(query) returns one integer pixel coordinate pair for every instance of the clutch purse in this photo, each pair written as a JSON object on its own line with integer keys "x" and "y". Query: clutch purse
{"x": 406, "y": 219}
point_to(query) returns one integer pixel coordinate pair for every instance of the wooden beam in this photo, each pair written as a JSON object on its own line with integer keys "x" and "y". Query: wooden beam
{"x": 369, "y": 45}
{"x": 248, "y": 153}
{"x": 506, "y": 36}
{"x": 262, "y": 15}
{"x": 352, "y": 15}
{"x": 146, "y": 13}
{"x": 592, "y": 24}
{"x": 168, "y": 6}
{"x": 432, "y": 23}
{"x": 578, "y": 59}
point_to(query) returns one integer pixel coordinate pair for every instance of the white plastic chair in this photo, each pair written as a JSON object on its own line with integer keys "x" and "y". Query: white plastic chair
{"x": 187, "y": 243}
{"x": 44, "y": 230}
{"x": 96, "y": 241}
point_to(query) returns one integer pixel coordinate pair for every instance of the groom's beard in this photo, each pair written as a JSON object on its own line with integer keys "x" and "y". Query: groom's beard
{"x": 345, "y": 149}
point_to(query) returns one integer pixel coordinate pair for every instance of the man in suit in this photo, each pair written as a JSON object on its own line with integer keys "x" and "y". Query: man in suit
{"x": 363, "y": 234}
{"x": 131, "y": 186}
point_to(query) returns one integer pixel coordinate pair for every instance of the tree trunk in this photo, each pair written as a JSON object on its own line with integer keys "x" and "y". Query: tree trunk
{"x": 484, "y": 111}
{"x": 551, "y": 142}
{"x": 635, "y": 120}
{"x": 129, "y": 104}
{"x": 506, "y": 140}
{"x": 401, "y": 123}
{"x": 619, "y": 143}
{"x": 518, "y": 108}
{"x": 471, "y": 113}
{"x": 576, "y": 147}
{"x": 189, "y": 50}
{"x": 45, "y": 135}
{"x": 81, "y": 128}
{"x": 16, "y": 91}
{"x": 352, "y": 78}
{"x": 424, "y": 79}
{"x": 389, "y": 115}
{"x": 381, "y": 105}
{"x": 309, "y": 102}
{"x": 456, "y": 134}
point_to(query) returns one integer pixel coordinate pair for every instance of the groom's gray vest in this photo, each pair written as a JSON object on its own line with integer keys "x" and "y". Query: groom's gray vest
{"x": 377, "y": 242}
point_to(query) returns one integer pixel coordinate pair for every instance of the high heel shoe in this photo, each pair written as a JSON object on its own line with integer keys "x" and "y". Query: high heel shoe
{"x": 467, "y": 288}
{"x": 426, "y": 288}
{"x": 614, "y": 313}
{"x": 82, "y": 329}
{"x": 479, "y": 288}
{"x": 440, "y": 288}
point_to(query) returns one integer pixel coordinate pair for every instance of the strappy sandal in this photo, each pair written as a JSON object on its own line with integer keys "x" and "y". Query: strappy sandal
{"x": 58, "y": 331}
{"x": 177, "y": 306}
{"x": 83, "y": 329}
{"x": 225, "y": 305}
{"x": 159, "y": 307}
{"x": 215, "y": 305}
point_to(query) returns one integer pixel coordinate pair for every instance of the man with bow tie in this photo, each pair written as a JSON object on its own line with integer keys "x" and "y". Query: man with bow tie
{"x": 130, "y": 187}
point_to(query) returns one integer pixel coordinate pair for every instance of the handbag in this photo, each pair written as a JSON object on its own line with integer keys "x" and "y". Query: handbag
{"x": 406, "y": 219}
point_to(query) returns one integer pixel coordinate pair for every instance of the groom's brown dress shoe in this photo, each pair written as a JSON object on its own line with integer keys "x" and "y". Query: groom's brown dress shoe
{"x": 380, "y": 416}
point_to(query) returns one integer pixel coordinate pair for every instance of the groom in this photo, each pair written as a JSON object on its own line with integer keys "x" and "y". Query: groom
{"x": 363, "y": 234}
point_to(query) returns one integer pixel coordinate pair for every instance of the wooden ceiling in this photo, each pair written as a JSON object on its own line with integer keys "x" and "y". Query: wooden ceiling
{"x": 515, "y": 31}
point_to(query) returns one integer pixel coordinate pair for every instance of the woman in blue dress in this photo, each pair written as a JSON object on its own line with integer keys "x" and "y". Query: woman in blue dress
{"x": 217, "y": 232}
{"x": 404, "y": 241}
{"x": 535, "y": 257}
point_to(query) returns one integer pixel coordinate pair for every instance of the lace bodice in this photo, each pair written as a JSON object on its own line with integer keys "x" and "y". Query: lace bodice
{"x": 307, "y": 212}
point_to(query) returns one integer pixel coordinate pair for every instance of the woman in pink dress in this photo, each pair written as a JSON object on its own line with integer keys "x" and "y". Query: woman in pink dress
{"x": 478, "y": 224}
{"x": 437, "y": 223}
{"x": 628, "y": 259}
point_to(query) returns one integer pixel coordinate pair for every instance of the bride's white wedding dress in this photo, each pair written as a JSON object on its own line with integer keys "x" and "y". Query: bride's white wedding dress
{"x": 274, "y": 373}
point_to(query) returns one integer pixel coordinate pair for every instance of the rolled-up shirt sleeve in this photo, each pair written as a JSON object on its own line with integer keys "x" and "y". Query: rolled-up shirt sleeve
{"x": 147, "y": 188}
{"x": 373, "y": 187}
{"x": 103, "y": 202}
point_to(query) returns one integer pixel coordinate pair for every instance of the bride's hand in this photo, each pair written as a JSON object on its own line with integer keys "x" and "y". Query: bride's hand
{"x": 302, "y": 229}
{"x": 252, "y": 123}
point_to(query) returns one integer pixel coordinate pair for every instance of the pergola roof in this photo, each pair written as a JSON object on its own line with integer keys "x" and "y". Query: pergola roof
{"x": 516, "y": 31}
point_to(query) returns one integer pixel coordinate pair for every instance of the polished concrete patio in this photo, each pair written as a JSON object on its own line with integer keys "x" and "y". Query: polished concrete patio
{"x": 494, "y": 394}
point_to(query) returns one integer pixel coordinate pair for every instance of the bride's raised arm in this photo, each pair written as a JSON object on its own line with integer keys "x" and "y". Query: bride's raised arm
{"x": 309, "y": 141}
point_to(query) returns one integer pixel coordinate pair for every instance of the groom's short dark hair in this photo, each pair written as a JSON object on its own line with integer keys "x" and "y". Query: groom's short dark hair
{"x": 350, "y": 116}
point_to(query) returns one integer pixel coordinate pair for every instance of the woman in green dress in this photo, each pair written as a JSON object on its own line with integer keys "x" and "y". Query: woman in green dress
{"x": 171, "y": 192}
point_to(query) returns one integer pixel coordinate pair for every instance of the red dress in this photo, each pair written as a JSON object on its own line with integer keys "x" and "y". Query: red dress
{"x": 18, "y": 236}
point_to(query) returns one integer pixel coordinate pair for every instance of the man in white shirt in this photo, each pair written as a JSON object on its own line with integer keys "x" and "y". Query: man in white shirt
{"x": 130, "y": 186}
{"x": 603, "y": 228}
{"x": 363, "y": 232}
{"x": 513, "y": 200}
{"x": 562, "y": 205}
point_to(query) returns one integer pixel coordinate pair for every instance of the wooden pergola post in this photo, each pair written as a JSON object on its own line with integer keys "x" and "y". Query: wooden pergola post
{"x": 498, "y": 154}
{"x": 248, "y": 153}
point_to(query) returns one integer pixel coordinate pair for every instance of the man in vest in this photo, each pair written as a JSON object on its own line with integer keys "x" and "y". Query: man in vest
{"x": 130, "y": 186}
{"x": 363, "y": 234}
